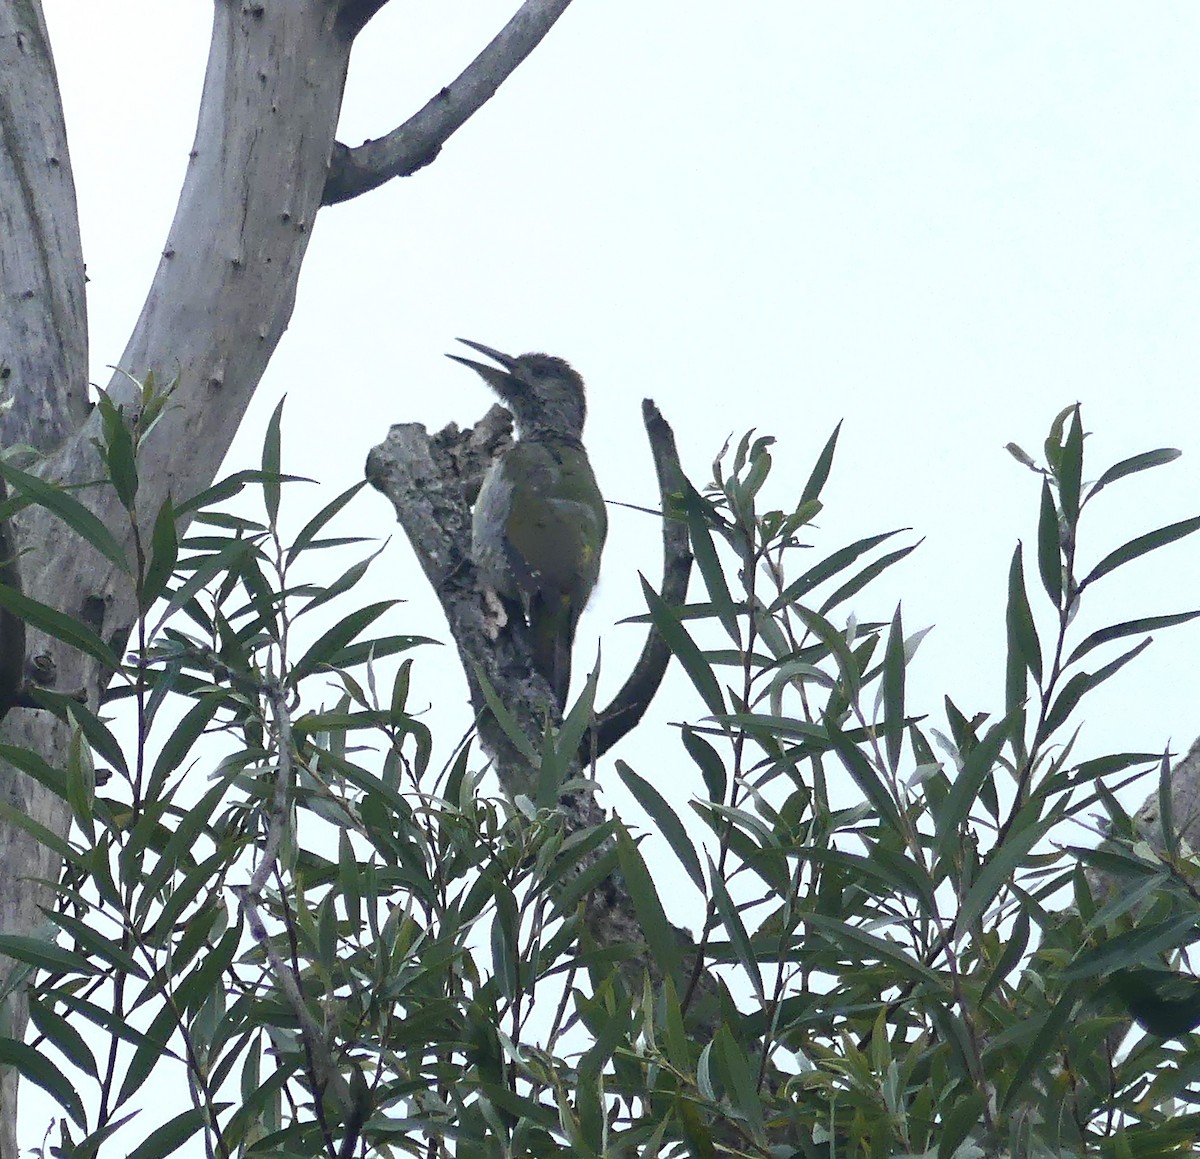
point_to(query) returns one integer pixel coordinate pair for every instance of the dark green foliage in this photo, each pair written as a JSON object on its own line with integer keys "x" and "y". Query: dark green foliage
{"x": 279, "y": 902}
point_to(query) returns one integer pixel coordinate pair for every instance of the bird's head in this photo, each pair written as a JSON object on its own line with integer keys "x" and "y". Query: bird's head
{"x": 544, "y": 393}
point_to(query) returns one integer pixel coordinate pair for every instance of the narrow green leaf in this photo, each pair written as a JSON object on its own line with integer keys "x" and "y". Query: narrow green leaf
{"x": 99, "y": 736}
{"x": 379, "y": 647}
{"x": 740, "y": 1079}
{"x": 678, "y": 1049}
{"x": 978, "y": 765}
{"x": 168, "y": 1138}
{"x": 551, "y": 771}
{"x": 770, "y": 727}
{"x": 1022, "y": 632}
{"x": 866, "y": 776}
{"x": 580, "y": 715}
{"x": 505, "y": 938}
{"x": 118, "y": 452}
{"x": 327, "y": 939}
{"x": 1166, "y": 808}
{"x": 846, "y": 936}
{"x": 81, "y": 784}
{"x": 310, "y": 530}
{"x": 96, "y": 945}
{"x": 349, "y": 880}
{"x": 62, "y": 1035}
{"x": 1045, "y": 1042}
{"x": 1053, "y": 442}
{"x": 1127, "y": 899}
{"x": 963, "y": 730}
{"x": 770, "y": 633}
{"x": 44, "y": 955}
{"x": 651, "y": 915}
{"x": 1105, "y": 766}
{"x": 999, "y": 868}
{"x": 683, "y": 648}
{"x": 164, "y": 552}
{"x": 179, "y": 744}
{"x": 868, "y": 575}
{"x": 184, "y": 893}
{"x": 963, "y": 1117}
{"x": 40, "y": 1070}
{"x": 697, "y": 1132}
{"x": 613, "y": 1032}
{"x": 90, "y": 1144}
{"x": 820, "y": 471}
{"x": 735, "y": 930}
{"x": 884, "y": 875}
{"x": 705, "y": 553}
{"x": 62, "y": 627}
{"x": 347, "y": 580}
{"x": 1121, "y": 823}
{"x": 1050, "y": 563}
{"x": 263, "y": 599}
{"x": 178, "y": 848}
{"x": 1023, "y": 457}
{"x": 105, "y": 1019}
{"x": 828, "y": 568}
{"x": 204, "y": 569}
{"x": 67, "y": 508}
{"x": 667, "y": 821}
{"x": 1140, "y": 546}
{"x": 457, "y": 773}
{"x": 1010, "y": 957}
{"x": 400, "y": 687}
{"x": 1082, "y": 683}
{"x": 197, "y": 987}
{"x": 313, "y": 723}
{"x": 38, "y": 832}
{"x": 238, "y": 526}
{"x": 712, "y": 768}
{"x": 325, "y": 650}
{"x": 507, "y": 722}
{"x": 1128, "y": 628}
{"x": 893, "y": 691}
{"x": 1069, "y": 470}
{"x": 149, "y": 831}
{"x": 1133, "y": 947}
{"x": 230, "y": 486}
{"x": 835, "y": 641}
{"x": 271, "y": 463}
{"x": 1130, "y": 466}
{"x": 742, "y": 452}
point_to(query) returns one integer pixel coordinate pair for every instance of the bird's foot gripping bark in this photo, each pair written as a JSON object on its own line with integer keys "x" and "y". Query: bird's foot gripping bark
{"x": 497, "y": 615}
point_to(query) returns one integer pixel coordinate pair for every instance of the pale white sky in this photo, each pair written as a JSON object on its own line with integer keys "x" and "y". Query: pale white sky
{"x": 941, "y": 223}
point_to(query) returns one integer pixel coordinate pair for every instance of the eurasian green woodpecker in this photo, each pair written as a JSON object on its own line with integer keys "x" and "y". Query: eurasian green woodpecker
{"x": 539, "y": 522}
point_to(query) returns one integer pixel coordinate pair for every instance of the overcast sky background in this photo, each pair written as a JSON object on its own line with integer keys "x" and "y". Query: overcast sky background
{"x": 940, "y": 223}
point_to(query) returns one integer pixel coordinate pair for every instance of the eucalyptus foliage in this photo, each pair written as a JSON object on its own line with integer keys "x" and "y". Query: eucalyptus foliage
{"x": 275, "y": 898}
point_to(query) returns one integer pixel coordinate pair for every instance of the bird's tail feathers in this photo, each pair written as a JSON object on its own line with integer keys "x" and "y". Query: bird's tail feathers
{"x": 552, "y": 631}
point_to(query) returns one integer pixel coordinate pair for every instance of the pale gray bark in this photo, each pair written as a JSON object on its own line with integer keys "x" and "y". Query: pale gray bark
{"x": 43, "y": 323}
{"x": 218, "y": 305}
{"x": 416, "y": 143}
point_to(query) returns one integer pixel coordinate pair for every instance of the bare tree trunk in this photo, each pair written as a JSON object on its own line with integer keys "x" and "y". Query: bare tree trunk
{"x": 219, "y": 303}
{"x": 221, "y": 299}
{"x": 43, "y": 368}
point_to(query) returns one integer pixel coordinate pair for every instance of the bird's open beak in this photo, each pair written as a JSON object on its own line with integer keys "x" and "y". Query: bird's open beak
{"x": 498, "y": 380}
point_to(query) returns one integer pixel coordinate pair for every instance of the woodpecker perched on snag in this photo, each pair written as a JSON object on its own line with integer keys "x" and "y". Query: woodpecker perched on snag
{"x": 539, "y": 522}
